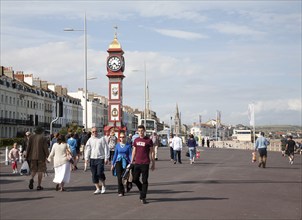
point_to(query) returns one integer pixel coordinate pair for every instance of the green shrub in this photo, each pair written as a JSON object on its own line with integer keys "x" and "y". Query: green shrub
{"x": 8, "y": 142}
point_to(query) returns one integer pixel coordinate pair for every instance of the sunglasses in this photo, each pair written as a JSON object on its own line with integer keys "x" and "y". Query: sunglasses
{"x": 122, "y": 136}
{"x": 94, "y": 131}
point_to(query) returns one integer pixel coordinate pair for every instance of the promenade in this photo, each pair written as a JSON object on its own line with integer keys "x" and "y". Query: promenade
{"x": 222, "y": 184}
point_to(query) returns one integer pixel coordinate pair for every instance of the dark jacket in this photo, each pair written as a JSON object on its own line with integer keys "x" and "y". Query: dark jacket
{"x": 37, "y": 148}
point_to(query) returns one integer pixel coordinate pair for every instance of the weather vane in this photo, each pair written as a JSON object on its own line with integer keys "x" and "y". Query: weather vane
{"x": 115, "y": 34}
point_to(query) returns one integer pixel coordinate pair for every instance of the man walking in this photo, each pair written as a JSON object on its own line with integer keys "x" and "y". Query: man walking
{"x": 261, "y": 145}
{"x": 155, "y": 139}
{"x": 290, "y": 149}
{"x": 97, "y": 152}
{"x": 37, "y": 153}
{"x": 177, "y": 148}
{"x": 142, "y": 151}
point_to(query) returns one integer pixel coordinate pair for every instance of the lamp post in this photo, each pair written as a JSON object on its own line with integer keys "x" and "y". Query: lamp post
{"x": 145, "y": 105}
{"x": 145, "y": 114}
{"x": 85, "y": 65}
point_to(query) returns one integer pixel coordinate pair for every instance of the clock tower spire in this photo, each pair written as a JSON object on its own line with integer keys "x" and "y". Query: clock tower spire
{"x": 115, "y": 73}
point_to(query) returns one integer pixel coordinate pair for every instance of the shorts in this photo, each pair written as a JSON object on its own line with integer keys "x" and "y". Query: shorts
{"x": 97, "y": 168}
{"x": 262, "y": 152}
{"x": 37, "y": 166}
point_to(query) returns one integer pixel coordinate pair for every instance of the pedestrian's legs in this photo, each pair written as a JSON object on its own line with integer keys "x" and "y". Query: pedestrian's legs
{"x": 191, "y": 154}
{"x": 101, "y": 174}
{"x": 119, "y": 171}
{"x": 83, "y": 151}
{"x": 260, "y": 161}
{"x": 94, "y": 176}
{"x": 264, "y": 162}
{"x": 175, "y": 159}
{"x": 136, "y": 174}
{"x": 40, "y": 176}
{"x": 179, "y": 156}
{"x": 155, "y": 152}
{"x": 145, "y": 175}
{"x": 14, "y": 165}
{"x": 171, "y": 153}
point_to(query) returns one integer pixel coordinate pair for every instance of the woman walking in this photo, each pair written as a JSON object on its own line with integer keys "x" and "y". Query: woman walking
{"x": 60, "y": 154}
{"x": 120, "y": 161}
{"x": 192, "y": 148}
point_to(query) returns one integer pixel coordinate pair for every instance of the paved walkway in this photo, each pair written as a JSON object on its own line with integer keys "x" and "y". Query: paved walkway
{"x": 222, "y": 184}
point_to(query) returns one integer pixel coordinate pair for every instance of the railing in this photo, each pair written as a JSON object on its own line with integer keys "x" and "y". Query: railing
{"x": 275, "y": 145}
{"x": 16, "y": 121}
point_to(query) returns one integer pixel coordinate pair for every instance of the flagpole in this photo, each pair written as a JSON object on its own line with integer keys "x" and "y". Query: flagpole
{"x": 252, "y": 119}
{"x": 216, "y": 124}
{"x": 254, "y": 123}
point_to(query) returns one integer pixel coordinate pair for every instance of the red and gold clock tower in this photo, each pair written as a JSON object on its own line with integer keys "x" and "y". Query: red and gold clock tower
{"x": 115, "y": 74}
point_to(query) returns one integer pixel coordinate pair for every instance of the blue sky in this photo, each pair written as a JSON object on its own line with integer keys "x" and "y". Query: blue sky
{"x": 202, "y": 55}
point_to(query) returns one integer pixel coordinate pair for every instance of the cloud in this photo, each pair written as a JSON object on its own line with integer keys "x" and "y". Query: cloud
{"x": 181, "y": 34}
{"x": 234, "y": 29}
{"x": 278, "y": 105}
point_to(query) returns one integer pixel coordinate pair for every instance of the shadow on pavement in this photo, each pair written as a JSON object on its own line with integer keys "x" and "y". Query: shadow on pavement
{"x": 151, "y": 200}
{"x": 223, "y": 182}
{"x": 22, "y": 199}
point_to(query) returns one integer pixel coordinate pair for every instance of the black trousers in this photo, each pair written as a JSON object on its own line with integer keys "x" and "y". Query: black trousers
{"x": 141, "y": 170}
{"x": 119, "y": 173}
{"x": 171, "y": 153}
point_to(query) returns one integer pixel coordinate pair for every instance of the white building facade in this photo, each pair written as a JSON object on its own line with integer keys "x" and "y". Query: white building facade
{"x": 25, "y": 106}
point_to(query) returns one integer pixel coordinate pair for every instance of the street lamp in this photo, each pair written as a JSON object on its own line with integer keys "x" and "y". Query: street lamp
{"x": 85, "y": 69}
{"x": 145, "y": 105}
{"x": 145, "y": 114}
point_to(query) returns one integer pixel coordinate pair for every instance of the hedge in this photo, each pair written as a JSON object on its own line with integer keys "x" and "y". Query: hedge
{"x": 8, "y": 142}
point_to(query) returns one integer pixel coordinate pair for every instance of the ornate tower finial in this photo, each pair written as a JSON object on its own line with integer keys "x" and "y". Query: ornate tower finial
{"x": 115, "y": 33}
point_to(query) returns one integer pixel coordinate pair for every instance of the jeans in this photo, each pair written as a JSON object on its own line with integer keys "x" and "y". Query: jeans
{"x": 97, "y": 170}
{"x": 172, "y": 153}
{"x": 177, "y": 155}
{"x": 142, "y": 186}
{"x": 192, "y": 151}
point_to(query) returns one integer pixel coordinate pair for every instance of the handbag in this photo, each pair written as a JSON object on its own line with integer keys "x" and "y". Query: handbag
{"x": 69, "y": 157}
{"x": 188, "y": 154}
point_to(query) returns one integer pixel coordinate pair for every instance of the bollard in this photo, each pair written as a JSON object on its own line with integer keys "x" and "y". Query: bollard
{"x": 20, "y": 155}
{"x": 6, "y": 156}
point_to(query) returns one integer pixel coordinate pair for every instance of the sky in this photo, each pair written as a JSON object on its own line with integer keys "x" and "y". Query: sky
{"x": 204, "y": 56}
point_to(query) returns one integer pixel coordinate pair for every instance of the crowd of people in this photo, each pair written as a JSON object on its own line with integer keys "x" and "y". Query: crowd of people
{"x": 130, "y": 157}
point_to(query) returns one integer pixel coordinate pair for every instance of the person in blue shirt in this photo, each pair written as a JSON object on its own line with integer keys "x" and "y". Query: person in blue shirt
{"x": 121, "y": 159}
{"x": 261, "y": 145}
{"x": 72, "y": 143}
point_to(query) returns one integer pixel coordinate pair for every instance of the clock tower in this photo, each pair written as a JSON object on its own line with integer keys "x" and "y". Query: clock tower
{"x": 115, "y": 73}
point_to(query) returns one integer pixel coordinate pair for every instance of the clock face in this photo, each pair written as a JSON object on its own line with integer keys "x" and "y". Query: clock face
{"x": 114, "y": 63}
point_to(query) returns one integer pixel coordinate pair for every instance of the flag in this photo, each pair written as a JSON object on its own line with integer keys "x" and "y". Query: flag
{"x": 218, "y": 118}
{"x": 199, "y": 120}
{"x": 251, "y": 114}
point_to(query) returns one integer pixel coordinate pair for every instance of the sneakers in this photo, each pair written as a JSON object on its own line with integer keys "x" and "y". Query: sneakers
{"x": 98, "y": 191}
{"x": 103, "y": 189}
{"x": 121, "y": 194}
{"x": 143, "y": 201}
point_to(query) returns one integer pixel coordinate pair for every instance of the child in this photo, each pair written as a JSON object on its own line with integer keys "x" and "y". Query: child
{"x": 14, "y": 157}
